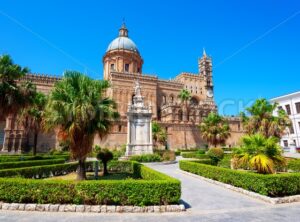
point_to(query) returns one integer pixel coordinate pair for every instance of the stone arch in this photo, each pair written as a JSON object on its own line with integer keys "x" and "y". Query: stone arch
{"x": 171, "y": 98}
{"x": 180, "y": 115}
{"x": 17, "y": 142}
{"x": 194, "y": 101}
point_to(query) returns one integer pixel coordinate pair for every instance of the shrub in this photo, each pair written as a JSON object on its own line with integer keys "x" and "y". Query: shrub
{"x": 18, "y": 164}
{"x": 273, "y": 185}
{"x": 294, "y": 165}
{"x": 146, "y": 158}
{"x": 14, "y": 158}
{"x": 155, "y": 189}
{"x": 41, "y": 171}
{"x": 215, "y": 154}
{"x": 105, "y": 156}
{"x": 169, "y": 155}
{"x": 194, "y": 155}
{"x": 225, "y": 162}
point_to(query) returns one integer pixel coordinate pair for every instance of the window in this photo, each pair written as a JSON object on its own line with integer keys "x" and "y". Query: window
{"x": 112, "y": 67}
{"x": 138, "y": 70}
{"x": 288, "y": 109}
{"x": 292, "y": 131}
{"x": 297, "y": 107}
{"x": 120, "y": 128}
{"x": 279, "y": 107}
{"x": 299, "y": 124}
{"x": 126, "y": 67}
{"x": 285, "y": 143}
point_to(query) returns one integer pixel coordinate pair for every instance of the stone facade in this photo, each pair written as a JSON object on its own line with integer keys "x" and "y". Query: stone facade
{"x": 122, "y": 66}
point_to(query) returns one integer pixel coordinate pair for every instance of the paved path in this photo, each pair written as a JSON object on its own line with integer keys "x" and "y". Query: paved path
{"x": 207, "y": 202}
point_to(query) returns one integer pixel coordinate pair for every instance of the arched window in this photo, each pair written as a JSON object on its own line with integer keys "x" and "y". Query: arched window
{"x": 180, "y": 115}
{"x": 194, "y": 101}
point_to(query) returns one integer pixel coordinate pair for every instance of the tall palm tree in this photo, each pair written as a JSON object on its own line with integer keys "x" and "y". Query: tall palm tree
{"x": 31, "y": 117}
{"x": 78, "y": 107}
{"x": 259, "y": 153}
{"x": 12, "y": 96}
{"x": 185, "y": 96}
{"x": 214, "y": 129}
{"x": 261, "y": 119}
{"x": 159, "y": 134}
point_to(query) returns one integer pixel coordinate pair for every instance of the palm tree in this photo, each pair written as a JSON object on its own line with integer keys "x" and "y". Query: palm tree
{"x": 185, "y": 96}
{"x": 261, "y": 119}
{"x": 214, "y": 129}
{"x": 12, "y": 96}
{"x": 31, "y": 117}
{"x": 259, "y": 153}
{"x": 159, "y": 134}
{"x": 77, "y": 106}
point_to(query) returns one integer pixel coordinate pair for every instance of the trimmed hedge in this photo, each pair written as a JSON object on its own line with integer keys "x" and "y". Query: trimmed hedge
{"x": 14, "y": 158}
{"x": 194, "y": 155}
{"x": 276, "y": 185}
{"x": 294, "y": 165}
{"x": 146, "y": 158}
{"x": 155, "y": 189}
{"x": 40, "y": 171}
{"x": 18, "y": 164}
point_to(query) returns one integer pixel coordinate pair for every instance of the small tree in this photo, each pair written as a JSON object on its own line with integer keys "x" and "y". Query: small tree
{"x": 105, "y": 156}
{"x": 215, "y": 154}
{"x": 214, "y": 129}
{"x": 159, "y": 134}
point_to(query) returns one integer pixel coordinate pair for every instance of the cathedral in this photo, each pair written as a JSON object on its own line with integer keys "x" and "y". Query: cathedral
{"x": 122, "y": 66}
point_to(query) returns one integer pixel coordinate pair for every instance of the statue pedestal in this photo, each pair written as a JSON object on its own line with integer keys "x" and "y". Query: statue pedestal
{"x": 139, "y": 126}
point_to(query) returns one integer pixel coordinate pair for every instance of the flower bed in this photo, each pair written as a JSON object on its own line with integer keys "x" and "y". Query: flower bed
{"x": 153, "y": 188}
{"x": 275, "y": 185}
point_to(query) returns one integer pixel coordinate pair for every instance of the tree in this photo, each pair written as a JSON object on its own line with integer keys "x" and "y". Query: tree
{"x": 31, "y": 117}
{"x": 105, "y": 156}
{"x": 259, "y": 153}
{"x": 185, "y": 96}
{"x": 214, "y": 129}
{"x": 159, "y": 134}
{"x": 12, "y": 96}
{"x": 77, "y": 106}
{"x": 261, "y": 119}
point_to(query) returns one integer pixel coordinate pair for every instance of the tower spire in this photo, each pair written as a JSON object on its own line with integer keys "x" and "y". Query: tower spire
{"x": 204, "y": 53}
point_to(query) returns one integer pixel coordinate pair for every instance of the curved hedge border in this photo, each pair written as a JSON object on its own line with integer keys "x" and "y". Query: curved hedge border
{"x": 154, "y": 189}
{"x": 276, "y": 185}
{"x": 31, "y": 158}
{"x": 18, "y": 164}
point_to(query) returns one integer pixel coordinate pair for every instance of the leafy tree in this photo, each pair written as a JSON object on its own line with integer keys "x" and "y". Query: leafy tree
{"x": 214, "y": 129}
{"x": 159, "y": 134}
{"x": 259, "y": 153}
{"x": 31, "y": 117}
{"x": 12, "y": 96}
{"x": 216, "y": 155}
{"x": 261, "y": 119}
{"x": 105, "y": 156}
{"x": 78, "y": 107}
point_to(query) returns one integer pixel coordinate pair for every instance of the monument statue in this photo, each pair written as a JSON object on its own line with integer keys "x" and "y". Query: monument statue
{"x": 139, "y": 133}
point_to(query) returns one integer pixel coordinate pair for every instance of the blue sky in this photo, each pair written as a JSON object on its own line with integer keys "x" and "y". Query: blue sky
{"x": 255, "y": 45}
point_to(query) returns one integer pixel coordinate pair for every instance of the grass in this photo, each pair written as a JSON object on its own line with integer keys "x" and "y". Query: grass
{"x": 90, "y": 176}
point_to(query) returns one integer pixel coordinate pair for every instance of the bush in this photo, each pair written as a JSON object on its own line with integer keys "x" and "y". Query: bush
{"x": 146, "y": 158}
{"x": 155, "y": 189}
{"x": 41, "y": 171}
{"x": 294, "y": 165}
{"x": 225, "y": 162}
{"x": 14, "y": 158}
{"x": 105, "y": 156}
{"x": 194, "y": 155}
{"x": 18, "y": 164}
{"x": 169, "y": 155}
{"x": 273, "y": 185}
{"x": 215, "y": 154}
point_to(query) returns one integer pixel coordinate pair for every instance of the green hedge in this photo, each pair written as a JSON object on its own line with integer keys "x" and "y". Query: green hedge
{"x": 40, "y": 171}
{"x": 195, "y": 155}
{"x": 276, "y": 185}
{"x": 154, "y": 189}
{"x": 294, "y": 165}
{"x": 18, "y": 164}
{"x": 14, "y": 158}
{"x": 146, "y": 158}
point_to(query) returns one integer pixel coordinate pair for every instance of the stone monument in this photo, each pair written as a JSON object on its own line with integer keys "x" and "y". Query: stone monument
{"x": 139, "y": 133}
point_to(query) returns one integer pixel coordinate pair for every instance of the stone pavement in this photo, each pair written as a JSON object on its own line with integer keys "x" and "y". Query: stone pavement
{"x": 206, "y": 202}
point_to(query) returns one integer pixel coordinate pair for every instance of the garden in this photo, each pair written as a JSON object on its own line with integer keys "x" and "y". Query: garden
{"x": 258, "y": 164}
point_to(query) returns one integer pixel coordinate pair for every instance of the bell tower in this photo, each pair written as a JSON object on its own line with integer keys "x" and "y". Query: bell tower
{"x": 205, "y": 69}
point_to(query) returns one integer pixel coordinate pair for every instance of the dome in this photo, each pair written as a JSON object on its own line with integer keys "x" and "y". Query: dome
{"x": 122, "y": 42}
